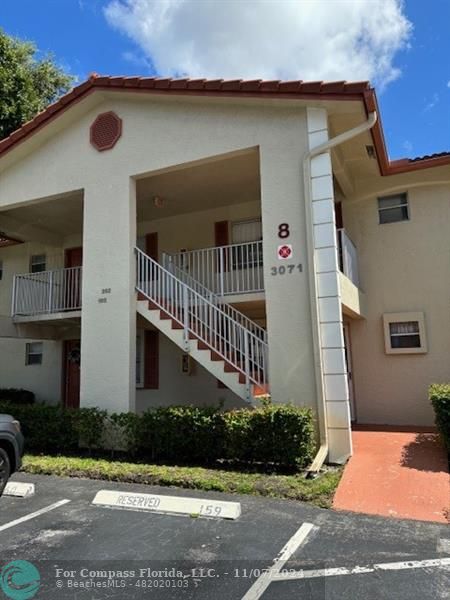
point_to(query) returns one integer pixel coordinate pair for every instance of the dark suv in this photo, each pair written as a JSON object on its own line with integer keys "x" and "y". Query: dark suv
{"x": 11, "y": 448}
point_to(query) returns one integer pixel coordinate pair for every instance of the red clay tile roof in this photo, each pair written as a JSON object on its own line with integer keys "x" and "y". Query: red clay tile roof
{"x": 335, "y": 90}
{"x": 429, "y": 156}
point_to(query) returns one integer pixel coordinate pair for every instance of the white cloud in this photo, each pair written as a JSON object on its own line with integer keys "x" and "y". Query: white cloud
{"x": 407, "y": 146}
{"x": 432, "y": 103}
{"x": 135, "y": 60}
{"x": 280, "y": 39}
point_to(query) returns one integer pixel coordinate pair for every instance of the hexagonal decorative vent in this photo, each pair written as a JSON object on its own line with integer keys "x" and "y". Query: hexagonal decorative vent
{"x": 105, "y": 131}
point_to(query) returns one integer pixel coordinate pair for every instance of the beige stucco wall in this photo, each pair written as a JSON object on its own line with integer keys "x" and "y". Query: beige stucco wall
{"x": 44, "y": 380}
{"x": 403, "y": 267}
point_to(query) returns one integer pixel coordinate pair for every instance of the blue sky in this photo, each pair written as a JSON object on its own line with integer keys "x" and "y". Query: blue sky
{"x": 415, "y": 104}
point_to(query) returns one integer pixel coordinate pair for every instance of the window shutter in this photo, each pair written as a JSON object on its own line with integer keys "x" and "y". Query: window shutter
{"x": 221, "y": 233}
{"x": 151, "y": 358}
{"x": 151, "y": 245}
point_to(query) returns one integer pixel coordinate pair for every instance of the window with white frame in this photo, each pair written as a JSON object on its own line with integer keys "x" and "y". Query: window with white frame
{"x": 33, "y": 353}
{"x": 404, "y": 333}
{"x": 38, "y": 263}
{"x": 248, "y": 253}
{"x": 392, "y": 209}
{"x": 139, "y": 358}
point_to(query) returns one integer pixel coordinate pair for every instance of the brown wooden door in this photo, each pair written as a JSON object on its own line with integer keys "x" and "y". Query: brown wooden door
{"x": 151, "y": 245}
{"x": 71, "y": 373}
{"x": 72, "y": 278}
{"x": 74, "y": 257}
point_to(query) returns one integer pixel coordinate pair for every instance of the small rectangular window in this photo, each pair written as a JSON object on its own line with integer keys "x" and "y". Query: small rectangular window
{"x": 248, "y": 254}
{"x": 38, "y": 263}
{"x": 392, "y": 209}
{"x": 404, "y": 333}
{"x": 34, "y": 353}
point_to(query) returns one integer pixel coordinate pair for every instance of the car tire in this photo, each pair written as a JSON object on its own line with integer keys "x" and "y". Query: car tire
{"x": 5, "y": 469}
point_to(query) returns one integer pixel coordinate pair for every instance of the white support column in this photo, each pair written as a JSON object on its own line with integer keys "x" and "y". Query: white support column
{"x": 328, "y": 293}
{"x": 108, "y": 322}
{"x": 291, "y": 355}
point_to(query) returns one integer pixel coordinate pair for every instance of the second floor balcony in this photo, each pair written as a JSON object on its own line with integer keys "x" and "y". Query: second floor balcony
{"x": 36, "y": 295}
{"x": 348, "y": 257}
{"x": 225, "y": 270}
{"x": 234, "y": 272}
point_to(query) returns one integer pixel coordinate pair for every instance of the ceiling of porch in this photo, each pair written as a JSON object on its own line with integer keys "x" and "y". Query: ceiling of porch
{"x": 42, "y": 221}
{"x": 217, "y": 183}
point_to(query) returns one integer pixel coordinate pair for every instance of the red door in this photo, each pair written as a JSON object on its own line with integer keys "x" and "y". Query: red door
{"x": 72, "y": 278}
{"x": 71, "y": 381}
{"x": 74, "y": 257}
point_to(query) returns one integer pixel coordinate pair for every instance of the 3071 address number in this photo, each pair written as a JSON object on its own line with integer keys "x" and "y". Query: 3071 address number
{"x": 286, "y": 269}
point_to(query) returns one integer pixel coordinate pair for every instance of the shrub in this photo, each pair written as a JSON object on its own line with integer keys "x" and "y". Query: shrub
{"x": 184, "y": 434}
{"x": 56, "y": 429}
{"x": 46, "y": 428}
{"x": 440, "y": 399}
{"x": 275, "y": 435}
{"x": 16, "y": 396}
{"x": 89, "y": 424}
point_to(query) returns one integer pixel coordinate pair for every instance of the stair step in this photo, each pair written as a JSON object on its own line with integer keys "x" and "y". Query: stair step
{"x": 261, "y": 390}
{"x": 164, "y": 316}
{"x": 176, "y": 325}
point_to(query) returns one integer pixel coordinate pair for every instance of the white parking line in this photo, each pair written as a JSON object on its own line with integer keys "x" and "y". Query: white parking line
{"x": 263, "y": 582}
{"x": 339, "y": 571}
{"x": 33, "y": 515}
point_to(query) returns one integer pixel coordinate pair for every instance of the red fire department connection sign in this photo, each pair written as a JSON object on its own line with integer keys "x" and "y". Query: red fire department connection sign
{"x": 285, "y": 251}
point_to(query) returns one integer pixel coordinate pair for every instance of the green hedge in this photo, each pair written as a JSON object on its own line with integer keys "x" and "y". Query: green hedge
{"x": 16, "y": 396}
{"x": 440, "y": 399}
{"x": 281, "y": 435}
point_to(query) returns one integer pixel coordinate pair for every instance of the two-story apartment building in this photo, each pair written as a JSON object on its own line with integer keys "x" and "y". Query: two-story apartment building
{"x": 182, "y": 241}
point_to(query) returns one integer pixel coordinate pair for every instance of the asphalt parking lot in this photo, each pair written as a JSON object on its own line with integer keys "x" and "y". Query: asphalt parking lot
{"x": 275, "y": 550}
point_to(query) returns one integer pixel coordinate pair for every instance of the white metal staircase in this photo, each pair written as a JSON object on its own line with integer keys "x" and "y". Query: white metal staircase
{"x": 229, "y": 345}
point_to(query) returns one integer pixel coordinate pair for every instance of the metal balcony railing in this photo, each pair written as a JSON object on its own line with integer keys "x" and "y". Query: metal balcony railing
{"x": 225, "y": 270}
{"x": 47, "y": 292}
{"x": 348, "y": 257}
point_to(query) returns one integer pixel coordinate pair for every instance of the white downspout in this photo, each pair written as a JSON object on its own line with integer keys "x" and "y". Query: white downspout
{"x": 322, "y": 148}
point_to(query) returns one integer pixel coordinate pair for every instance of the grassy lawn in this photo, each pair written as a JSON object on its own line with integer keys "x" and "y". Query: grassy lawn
{"x": 317, "y": 491}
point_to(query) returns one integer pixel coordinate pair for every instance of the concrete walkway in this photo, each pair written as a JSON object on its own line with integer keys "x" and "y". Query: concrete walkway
{"x": 400, "y": 474}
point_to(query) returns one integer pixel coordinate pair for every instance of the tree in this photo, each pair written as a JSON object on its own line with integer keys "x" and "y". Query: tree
{"x": 27, "y": 84}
